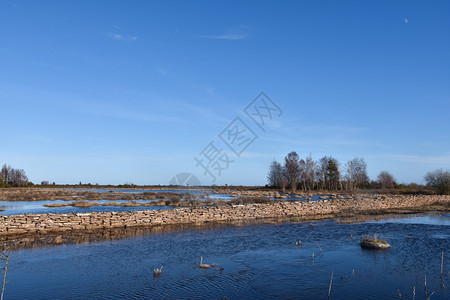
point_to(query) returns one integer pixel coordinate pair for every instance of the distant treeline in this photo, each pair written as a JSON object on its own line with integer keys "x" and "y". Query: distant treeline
{"x": 295, "y": 173}
{"x": 329, "y": 174}
{"x": 12, "y": 177}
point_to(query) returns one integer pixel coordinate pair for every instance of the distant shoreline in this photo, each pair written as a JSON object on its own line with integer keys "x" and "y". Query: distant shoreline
{"x": 153, "y": 193}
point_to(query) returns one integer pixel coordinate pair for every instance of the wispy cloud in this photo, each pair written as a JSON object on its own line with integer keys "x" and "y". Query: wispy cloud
{"x": 241, "y": 32}
{"x": 122, "y": 37}
{"x": 227, "y": 36}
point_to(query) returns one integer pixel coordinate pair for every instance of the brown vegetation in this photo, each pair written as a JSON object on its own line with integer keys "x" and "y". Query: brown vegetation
{"x": 133, "y": 203}
{"x": 374, "y": 243}
{"x": 249, "y": 200}
{"x": 33, "y": 194}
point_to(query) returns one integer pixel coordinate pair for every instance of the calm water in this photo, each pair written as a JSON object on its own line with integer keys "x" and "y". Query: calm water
{"x": 37, "y": 207}
{"x": 137, "y": 191}
{"x": 259, "y": 262}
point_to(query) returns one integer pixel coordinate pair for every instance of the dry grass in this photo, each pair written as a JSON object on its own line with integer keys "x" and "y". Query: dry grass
{"x": 251, "y": 200}
{"x": 374, "y": 239}
{"x": 111, "y": 204}
{"x": 57, "y": 205}
{"x": 175, "y": 202}
{"x": 442, "y": 204}
{"x": 133, "y": 203}
{"x": 83, "y": 203}
{"x": 33, "y": 194}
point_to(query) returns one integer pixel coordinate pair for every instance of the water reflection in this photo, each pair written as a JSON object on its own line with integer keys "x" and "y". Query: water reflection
{"x": 37, "y": 207}
{"x": 431, "y": 218}
{"x": 16, "y": 242}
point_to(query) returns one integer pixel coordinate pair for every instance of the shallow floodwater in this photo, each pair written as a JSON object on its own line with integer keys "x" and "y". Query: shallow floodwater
{"x": 259, "y": 262}
{"x": 137, "y": 191}
{"x": 37, "y": 207}
{"x": 425, "y": 219}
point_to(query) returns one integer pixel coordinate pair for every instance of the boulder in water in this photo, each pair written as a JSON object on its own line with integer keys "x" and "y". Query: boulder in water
{"x": 374, "y": 244}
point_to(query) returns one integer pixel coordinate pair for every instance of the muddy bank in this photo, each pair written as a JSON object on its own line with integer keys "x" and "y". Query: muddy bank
{"x": 33, "y": 194}
{"x": 175, "y": 194}
{"x": 60, "y": 223}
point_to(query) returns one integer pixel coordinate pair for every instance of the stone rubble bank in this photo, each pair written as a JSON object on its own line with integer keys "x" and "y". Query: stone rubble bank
{"x": 60, "y": 223}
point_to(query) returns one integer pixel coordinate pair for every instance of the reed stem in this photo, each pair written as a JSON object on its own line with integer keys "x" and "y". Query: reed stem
{"x": 426, "y": 297}
{"x": 329, "y": 289}
{"x": 5, "y": 258}
{"x": 320, "y": 248}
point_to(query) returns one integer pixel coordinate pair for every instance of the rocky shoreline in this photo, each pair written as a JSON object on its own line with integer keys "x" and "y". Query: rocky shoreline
{"x": 29, "y": 224}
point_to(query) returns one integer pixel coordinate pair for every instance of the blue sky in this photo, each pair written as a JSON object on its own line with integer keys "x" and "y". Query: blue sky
{"x": 120, "y": 91}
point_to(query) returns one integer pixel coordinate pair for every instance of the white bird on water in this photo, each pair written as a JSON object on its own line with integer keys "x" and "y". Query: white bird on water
{"x": 202, "y": 265}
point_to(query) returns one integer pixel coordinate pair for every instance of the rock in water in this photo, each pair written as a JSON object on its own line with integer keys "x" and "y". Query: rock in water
{"x": 376, "y": 245}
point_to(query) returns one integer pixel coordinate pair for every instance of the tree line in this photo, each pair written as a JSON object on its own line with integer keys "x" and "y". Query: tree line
{"x": 12, "y": 177}
{"x": 328, "y": 173}
{"x": 325, "y": 174}
{"x": 440, "y": 180}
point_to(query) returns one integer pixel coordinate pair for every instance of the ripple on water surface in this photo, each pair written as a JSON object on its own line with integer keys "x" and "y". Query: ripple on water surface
{"x": 259, "y": 261}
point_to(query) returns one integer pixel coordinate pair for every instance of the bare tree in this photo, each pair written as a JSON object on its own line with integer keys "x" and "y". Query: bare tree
{"x": 440, "y": 180}
{"x": 284, "y": 179}
{"x": 303, "y": 176}
{"x": 361, "y": 172}
{"x": 5, "y": 173}
{"x": 310, "y": 172}
{"x": 322, "y": 172}
{"x": 356, "y": 173}
{"x": 12, "y": 177}
{"x": 291, "y": 164}
{"x": 18, "y": 177}
{"x": 349, "y": 175}
{"x": 386, "y": 180}
{"x": 275, "y": 176}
